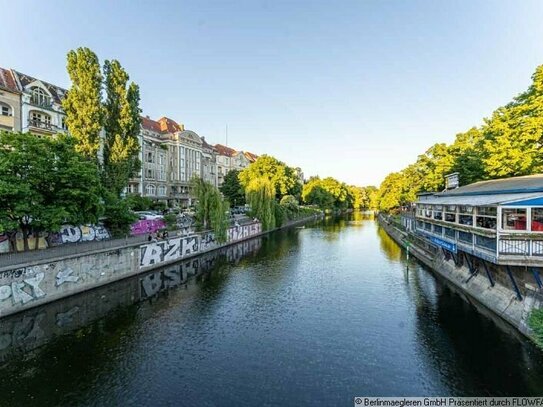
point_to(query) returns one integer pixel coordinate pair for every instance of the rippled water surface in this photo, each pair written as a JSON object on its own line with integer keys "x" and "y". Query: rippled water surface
{"x": 307, "y": 316}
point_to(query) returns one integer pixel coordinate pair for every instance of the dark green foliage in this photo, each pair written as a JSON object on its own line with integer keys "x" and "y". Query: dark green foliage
{"x": 171, "y": 221}
{"x": 138, "y": 203}
{"x": 232, "y": 189}
{"x": 45, "y": 183}
{"x": 535, "y": 322}
{"x": 118, "y": 216}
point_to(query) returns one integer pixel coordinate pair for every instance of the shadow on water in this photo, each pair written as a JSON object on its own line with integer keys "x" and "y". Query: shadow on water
{"x": 34, "y": 356}
{"x": 472, "y": 351}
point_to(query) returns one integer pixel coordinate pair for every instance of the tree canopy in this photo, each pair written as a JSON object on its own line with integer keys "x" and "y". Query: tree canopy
{"x": 232, "y": 189}
{"x": 45, "y": 183}
{"x": 283, "y": 178}
{"x": 508, "y": 143}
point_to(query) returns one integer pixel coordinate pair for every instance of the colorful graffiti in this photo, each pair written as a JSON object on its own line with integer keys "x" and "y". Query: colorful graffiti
{"x": 66, "y": 234}
{"x": 145, "y": 226}
{"x": 76, "y": 234}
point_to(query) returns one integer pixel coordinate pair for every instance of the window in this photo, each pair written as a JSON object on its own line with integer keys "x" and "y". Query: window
{"x": 451, "y": 233}
{"x": 428, "y": 211}
{"x": 40, "y": 119}
{"x": 149, "y": 157}
{"x": 161, "y": 190}
{"x": 150, "y": 189}
{"x": 438, "y": 214}
{"x": 39, "y": 97}
{"x": 149, "y": 174}
{"x": 513, "y": 219}
{"x": 5, "y": 110}
{"x": 438, "y": 230}
{"x": 537, "y": 219}
{"x": 486, "y": 217}
{"x": 64, "y": 125}
{"x": 466, "y": 215}
{"x": 465, "y": 237}
{"x": 450, "y": 214}
{"x": 428, "y": 226}
{"x": 485, "y": 242}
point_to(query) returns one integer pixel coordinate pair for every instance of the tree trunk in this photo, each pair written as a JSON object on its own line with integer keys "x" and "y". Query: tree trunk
{"x": 24, "y": 229}
{"x": 37, "y": 240}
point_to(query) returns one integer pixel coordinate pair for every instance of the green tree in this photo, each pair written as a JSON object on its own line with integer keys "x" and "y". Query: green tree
{"x": 232, "y": 189}
{"x": 122, "y": 126}
{"x": 468, "y": 157}
{"x": 211, "y": 208}
{"x": 282, "y": 177}
{"x": 514, "y": 134}
{"x": 44, "y": 183}
{"x": 83, "y": 102}
{"x": 314, "y": 193}
{"x": 261, "y": 198}
{"x": 327, "y": 193}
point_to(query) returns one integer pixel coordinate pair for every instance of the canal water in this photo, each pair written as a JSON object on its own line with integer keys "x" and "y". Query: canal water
{"x": 306, "y": 316}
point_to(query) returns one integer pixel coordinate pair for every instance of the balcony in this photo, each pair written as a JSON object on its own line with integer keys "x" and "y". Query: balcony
{"x": 41, "y": 126}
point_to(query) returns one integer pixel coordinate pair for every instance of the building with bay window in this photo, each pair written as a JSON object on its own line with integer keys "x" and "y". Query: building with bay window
{"x": 41, "y": 105}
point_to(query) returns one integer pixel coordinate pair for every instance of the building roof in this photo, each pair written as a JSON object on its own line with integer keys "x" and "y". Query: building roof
{"x": 250, "y": 156}
{"x": 57, "y": 93}
{"x": 223, "y": 150}
{"x": 7, "y": 81}
{"x": 150, "y": 124}
{"x": 493, "y": 192}
{"x": 514, "y": 185}
{"x": 478, "y": 200}
{"x": 168, "y": 125}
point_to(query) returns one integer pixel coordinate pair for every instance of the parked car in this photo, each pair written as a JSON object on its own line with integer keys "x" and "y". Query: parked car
{"x": 148, "y": 215}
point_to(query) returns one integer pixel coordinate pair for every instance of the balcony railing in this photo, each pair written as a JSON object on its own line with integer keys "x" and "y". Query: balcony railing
{"x": 40, "y": 124}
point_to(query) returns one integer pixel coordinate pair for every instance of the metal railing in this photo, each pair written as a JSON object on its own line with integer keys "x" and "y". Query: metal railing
{"x": 68, "y": 249}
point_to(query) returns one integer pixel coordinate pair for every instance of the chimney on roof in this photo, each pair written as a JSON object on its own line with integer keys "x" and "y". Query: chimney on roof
{"x": 147, "y": 117}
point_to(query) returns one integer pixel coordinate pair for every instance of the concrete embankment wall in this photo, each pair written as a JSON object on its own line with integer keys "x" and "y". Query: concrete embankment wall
{"x": 29, "y": 285}
{"x": 500, "y": 299}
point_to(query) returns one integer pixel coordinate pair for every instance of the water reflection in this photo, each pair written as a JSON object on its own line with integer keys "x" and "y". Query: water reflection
{"x": 305, "y": 316}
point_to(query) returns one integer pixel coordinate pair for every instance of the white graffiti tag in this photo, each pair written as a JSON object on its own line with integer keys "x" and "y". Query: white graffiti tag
{"x": 15, "y": 290}
{"x": 65, "y": 276}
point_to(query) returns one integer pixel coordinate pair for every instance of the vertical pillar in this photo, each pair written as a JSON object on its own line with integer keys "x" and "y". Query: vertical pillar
{"x": 488, "y": 273}
{"x": 515, "y": 286}
{"x": 537, "y": 277}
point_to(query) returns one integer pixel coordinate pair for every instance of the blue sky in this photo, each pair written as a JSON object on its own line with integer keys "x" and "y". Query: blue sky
{"x": 349, "y": 89}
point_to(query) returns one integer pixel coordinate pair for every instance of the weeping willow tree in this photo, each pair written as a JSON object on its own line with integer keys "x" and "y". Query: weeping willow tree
{"x": 211, "y": 208}
{"x": 260, "y": 194}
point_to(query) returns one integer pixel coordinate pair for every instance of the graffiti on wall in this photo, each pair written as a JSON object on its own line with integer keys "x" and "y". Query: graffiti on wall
{"x": 76, "y": 234}
{"x": 168, "y": 250}
{"x": 243, "y": 232}
{"x": 180, "y": 247}
{"x": 66, "y": 234}
{"x": 145, "y": 226}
